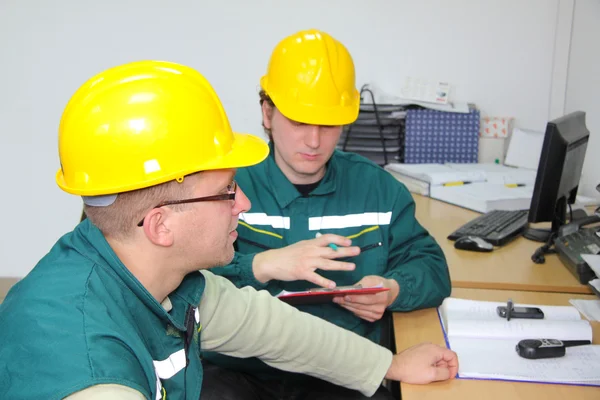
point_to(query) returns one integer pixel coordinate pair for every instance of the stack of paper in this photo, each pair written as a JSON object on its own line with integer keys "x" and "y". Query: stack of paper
{"x": 593, "y": 260}
{"x": 485, "y": 197}
{"x": 485, "y": 343}
{"x": 479, "y": 187}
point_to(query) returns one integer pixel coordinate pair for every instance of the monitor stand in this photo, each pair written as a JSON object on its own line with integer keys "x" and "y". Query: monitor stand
{"x": 560, "y": 217}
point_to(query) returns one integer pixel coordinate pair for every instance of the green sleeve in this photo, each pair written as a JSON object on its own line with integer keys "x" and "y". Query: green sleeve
{"x": 415, "y": 260}
{"x": 239, "y": 271}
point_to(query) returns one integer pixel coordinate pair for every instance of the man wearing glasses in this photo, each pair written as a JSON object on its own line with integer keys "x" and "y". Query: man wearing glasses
{"x": 117, "y": 309}
{"x": 306, "y": 188}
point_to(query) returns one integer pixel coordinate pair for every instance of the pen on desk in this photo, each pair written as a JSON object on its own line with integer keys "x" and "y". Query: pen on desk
{"x": 514, "y": 185}
{"x": 331, "y": 245}
{"x": 457, "y": 183}
{"x": 370, "y": 246}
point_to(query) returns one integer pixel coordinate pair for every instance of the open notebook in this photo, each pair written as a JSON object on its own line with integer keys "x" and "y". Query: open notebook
{"x": 485, "y": 343}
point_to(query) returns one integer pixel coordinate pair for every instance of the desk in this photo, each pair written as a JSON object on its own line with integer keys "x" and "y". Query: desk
{"x": 508, "y": 267}
{"x": 419, "y": 326}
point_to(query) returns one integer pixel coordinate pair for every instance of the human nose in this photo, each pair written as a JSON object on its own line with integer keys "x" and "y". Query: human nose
{"x": 313, "y": 138}
{"x": 242, "y": 202}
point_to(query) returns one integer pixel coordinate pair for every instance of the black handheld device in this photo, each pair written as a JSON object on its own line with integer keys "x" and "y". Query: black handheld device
{"x": 535, "y": 349}
{"x": 509, "y": 311}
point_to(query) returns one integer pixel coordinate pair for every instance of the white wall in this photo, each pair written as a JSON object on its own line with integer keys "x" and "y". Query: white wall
{"x": 583, "y": 85}
{"x": 498, "y": 54}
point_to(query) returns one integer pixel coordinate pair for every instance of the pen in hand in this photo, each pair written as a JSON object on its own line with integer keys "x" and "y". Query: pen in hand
{"x": 362, "y": 249}
{"x": 333, "y": 246}
{"x": 370, "y": 246}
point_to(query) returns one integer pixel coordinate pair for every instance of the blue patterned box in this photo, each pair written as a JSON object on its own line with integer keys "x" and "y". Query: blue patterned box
{"x": 440, "y": 137}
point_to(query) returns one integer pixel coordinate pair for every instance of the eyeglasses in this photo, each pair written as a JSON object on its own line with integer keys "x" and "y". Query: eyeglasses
{"x": 230, "y": 195}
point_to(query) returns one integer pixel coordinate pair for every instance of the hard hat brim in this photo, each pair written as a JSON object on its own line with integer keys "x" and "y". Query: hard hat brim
{"x": 246, "y": 150}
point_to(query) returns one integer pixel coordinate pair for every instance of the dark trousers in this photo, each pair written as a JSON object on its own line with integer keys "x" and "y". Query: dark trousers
{"x": 223, "y": 384}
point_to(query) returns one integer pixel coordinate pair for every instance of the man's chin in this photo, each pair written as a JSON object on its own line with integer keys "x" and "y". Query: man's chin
{"x": 226, "y": 260}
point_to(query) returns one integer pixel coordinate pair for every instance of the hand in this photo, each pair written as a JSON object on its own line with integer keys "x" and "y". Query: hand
{"x": 299, "y": 261}
{"x": 423, "y": 363}
{"x": 370, "y": 307}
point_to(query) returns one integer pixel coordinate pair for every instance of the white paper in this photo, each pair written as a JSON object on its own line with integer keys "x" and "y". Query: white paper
{"x": 386, "y": 98}
{"x": 519, "y": 329}
{"x": 472, "y": 309}
{"x": 484, "y": 197}
{"x": 437, "y": 174}
{"x": 479, "y": 319}
{"x": 524, "y": 149}
{"x": 498, "y": 359}
{"x": 586, "y": 201}
{"x": 486, "y": 343}
{"x": 589, "y": 308}
{"x": 593, "y": 261}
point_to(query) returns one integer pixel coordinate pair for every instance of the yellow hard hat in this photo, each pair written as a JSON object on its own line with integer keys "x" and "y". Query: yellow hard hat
{"x": 145, "y": 123}
{"x": 310, "y": 79}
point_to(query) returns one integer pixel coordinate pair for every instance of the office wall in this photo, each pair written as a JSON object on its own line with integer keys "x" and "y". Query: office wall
{"x": 583, "y": 84}
{"x": 498, "y": 54}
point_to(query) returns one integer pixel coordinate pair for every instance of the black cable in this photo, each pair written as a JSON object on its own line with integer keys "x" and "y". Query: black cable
{"x": 538, "y": 256}
{"x": 570, "y": 213}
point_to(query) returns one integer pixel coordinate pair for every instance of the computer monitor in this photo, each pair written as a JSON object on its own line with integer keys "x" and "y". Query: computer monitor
{"x": 558, "y": 174}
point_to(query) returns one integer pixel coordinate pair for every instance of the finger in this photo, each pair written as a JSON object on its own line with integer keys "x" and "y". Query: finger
{"x": 377, "y": 308}
{"x": 364, "y": 314}
{"x": 330, "y": 265}
{"x": 327, "y": 238}
{"x": 319, "y": 280}
{"x": 452, "y": 359}
{"x": 448, "y": 358}
{"x": 368, "y": 299}
{"x": 370, "y": 280}
{"x": 341, "y": 252}
{"x": 441, "y": 374}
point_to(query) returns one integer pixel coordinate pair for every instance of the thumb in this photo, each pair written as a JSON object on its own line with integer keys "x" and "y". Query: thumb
{"x": 441, "y": 373}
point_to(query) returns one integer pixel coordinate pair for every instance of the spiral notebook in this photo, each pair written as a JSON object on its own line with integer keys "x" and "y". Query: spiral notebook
{"x": 485, "y": 343}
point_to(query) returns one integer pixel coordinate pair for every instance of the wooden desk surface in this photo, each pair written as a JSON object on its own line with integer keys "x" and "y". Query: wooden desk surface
{"x": 419, "y": 326}
{"x": 508, "y": 267}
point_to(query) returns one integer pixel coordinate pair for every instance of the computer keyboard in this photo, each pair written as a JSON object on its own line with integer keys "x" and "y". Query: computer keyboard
{"x": 497, "y": 227}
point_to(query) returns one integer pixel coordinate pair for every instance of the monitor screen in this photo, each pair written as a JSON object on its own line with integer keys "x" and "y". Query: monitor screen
{"x": 559, "y": 169}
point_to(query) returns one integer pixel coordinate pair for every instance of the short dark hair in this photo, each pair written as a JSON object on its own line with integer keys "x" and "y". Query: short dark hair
{"x": 265, "y": 97}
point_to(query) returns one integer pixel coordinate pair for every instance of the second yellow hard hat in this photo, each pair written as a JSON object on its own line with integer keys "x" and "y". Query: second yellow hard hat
{"x": 310, "y": 78}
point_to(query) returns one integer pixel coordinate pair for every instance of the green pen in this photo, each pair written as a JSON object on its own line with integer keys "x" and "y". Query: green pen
{"x": 331, "y": 245}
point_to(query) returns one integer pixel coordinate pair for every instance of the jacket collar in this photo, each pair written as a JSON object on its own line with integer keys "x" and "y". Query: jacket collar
{"x": 95, "y": 247}
{"x": 285, "y": 192}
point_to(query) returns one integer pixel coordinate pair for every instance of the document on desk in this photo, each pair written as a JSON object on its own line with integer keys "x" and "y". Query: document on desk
{"x": 589, "y": 308}
{"x": 484, "y": 196}
{"x": 485, "y": 343}
{"x": 593, "y": 260}
{"x": 485, "y": 187}
{"x": 437, "y": 174}
{"x": 502, "y": 174}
